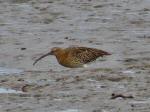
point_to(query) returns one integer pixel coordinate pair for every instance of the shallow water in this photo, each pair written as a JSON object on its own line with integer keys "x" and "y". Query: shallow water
{"x": 70, "y": 110}
{"x": 7, "y": 90}
{"x": 7, "y": 71}
{"x": 128, "y": 72}
{"x": 146, "y": 101}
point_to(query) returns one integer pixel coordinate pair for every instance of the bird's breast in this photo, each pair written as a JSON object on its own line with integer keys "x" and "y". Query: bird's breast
{"x": 70, "y": 62}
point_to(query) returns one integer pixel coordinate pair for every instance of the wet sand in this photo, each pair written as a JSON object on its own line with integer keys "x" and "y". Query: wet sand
{"x": 30, "y": 28}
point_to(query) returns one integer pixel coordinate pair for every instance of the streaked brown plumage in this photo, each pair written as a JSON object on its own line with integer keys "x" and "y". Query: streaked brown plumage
{"x": 74, "y": 57}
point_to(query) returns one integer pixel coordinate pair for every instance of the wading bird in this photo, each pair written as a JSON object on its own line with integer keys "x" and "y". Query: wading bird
{"x": 74, "y": 57}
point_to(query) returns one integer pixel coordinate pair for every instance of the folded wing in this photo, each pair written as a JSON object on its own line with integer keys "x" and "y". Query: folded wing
{"x": 87, "y": 55}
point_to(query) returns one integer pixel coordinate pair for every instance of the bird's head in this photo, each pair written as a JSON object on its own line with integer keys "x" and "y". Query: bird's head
{"x": 55, "y": 50}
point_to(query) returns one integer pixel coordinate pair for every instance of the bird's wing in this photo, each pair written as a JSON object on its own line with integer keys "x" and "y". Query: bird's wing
{"x": 87, "y": 54}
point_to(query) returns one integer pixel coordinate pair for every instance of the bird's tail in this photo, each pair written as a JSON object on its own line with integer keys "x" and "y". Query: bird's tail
{"x": 104, "y": 53}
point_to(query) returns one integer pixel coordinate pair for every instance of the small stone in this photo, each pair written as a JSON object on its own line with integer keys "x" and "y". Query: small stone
{"x": 23, "y": 48}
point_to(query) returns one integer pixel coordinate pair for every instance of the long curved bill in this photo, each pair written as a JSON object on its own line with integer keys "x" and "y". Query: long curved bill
{"x": 41, "y": 57}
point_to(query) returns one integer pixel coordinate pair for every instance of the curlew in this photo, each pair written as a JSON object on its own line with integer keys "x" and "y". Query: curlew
{"x": 74, "y": 57}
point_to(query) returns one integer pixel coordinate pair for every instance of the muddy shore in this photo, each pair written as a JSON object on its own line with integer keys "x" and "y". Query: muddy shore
{"x": 29, "y": 28}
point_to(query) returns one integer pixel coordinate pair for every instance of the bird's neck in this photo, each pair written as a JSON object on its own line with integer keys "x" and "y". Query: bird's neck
{"x": 60, "y": 55}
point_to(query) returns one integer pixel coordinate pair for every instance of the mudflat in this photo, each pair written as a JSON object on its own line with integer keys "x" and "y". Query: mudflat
{"x": 116, "y": 83}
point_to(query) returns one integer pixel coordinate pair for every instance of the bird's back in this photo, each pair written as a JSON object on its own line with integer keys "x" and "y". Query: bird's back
{"x": 85, "y": 55}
